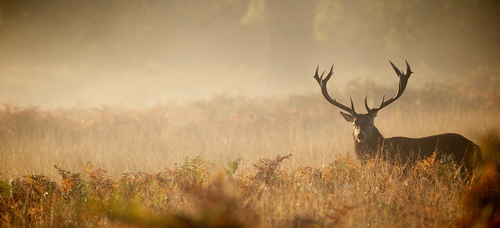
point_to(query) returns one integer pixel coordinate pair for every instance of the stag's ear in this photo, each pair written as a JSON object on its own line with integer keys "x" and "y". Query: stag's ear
{"x": 348, "y": 117}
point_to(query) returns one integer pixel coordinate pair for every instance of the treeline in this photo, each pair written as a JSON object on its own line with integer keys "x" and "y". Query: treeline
{"x": 273, "y": 34}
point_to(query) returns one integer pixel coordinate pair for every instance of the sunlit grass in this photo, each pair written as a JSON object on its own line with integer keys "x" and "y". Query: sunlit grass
{"x": 197, "y": 193}
{"x": 220, "y": 130}
{"x": 235, "y": 162}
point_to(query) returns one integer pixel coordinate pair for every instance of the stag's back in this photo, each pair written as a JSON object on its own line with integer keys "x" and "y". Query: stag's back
{"x": 462, "y": 150}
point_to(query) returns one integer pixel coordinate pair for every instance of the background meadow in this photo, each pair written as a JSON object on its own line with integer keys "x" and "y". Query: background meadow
{"x": 225, "y": 128}
{"x": 220, "y": 130}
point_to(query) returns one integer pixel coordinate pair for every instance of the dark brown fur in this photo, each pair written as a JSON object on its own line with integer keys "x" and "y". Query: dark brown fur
{"x": 409, "y": 150}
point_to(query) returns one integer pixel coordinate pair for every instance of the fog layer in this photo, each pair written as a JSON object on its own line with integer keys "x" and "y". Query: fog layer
{"x": 67, "y": 53}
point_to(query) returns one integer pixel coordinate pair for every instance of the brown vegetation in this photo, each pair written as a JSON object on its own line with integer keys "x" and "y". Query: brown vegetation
{"x": 198, "y": 194}
{"x": 219, "y": 163}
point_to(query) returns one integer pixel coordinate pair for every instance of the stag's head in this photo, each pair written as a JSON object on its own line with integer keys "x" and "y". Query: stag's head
{"x": 363, "y": 125}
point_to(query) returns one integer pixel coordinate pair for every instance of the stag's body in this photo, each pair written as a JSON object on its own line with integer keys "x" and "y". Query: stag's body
{"x": 405, "y": 150}
{"x": 369, "y": 142}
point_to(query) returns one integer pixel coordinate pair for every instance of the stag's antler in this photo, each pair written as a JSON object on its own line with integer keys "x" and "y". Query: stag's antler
{"x": 403, "y": 80}
{"x": 322, "y": 83}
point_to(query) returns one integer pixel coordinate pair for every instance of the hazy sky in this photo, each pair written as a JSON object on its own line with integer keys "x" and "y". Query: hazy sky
{"x": 92, "y": 52}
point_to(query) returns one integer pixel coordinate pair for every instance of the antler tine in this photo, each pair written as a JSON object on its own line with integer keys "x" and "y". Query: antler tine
{"x": 366, "y": 103}
{"x": 402, "y": 81}
{"x": 322, "y": 83}
{"x": 371, "y": 110}
{"x": 352, "y": 106}
{"x": 398, "y": 72}
{"x": 329, "y": 74}
{"x": 408, "y": 70}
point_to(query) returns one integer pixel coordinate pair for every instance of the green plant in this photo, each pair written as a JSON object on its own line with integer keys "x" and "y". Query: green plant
{"x": 233, "y": 167}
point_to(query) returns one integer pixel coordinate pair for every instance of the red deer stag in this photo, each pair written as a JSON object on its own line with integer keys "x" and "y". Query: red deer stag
{"x": 369, "y": 143}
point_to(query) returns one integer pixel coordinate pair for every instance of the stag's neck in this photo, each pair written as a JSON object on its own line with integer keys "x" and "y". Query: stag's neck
{"x": 369, "y": 147}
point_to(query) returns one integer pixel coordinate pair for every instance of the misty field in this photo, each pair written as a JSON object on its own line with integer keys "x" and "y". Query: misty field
{"x": 240, "y": 162}
{"x": 166, "y": 113}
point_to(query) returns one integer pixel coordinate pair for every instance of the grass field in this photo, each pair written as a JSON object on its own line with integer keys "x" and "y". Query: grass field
{"x": 238, "y": 162}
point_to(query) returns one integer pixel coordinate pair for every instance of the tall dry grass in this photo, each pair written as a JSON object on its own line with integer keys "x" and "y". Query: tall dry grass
{"x": 150, "y": 139}
{"x": 200, "y": 194}
{"x": 220, "y": 161}
{"x": 220, "y": 130}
